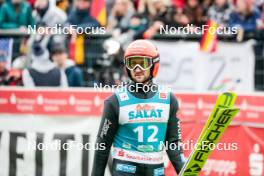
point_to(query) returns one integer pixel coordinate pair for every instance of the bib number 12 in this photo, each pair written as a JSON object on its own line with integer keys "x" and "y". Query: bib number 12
{"x": 140, "y": 132}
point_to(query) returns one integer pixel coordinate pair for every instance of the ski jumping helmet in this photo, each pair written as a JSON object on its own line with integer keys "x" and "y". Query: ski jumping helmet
{"x": 145, "y": 49}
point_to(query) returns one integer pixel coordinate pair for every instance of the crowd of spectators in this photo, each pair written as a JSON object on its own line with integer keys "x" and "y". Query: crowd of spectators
{"x": 46, "y": 61}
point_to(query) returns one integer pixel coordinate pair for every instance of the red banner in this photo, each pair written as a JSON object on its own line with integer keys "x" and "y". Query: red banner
{"x": 193, "y": 107}
{"x": 197, "y": 107}
{"x": 52, "y": 102}
{"x": 240, "y": 150}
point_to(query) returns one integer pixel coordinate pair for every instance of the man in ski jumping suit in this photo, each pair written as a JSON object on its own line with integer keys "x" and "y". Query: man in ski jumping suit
{"x": 138, "y": 120}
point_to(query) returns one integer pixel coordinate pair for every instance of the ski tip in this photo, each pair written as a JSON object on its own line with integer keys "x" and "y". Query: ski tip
{"x": 227, "y": 99}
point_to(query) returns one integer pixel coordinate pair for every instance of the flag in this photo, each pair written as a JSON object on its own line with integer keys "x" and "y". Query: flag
{"x": 6, "y": 46}
{"x": 209, "y": 38}
{"x": 98, "y": 11}
{"x": 76, "y": 49}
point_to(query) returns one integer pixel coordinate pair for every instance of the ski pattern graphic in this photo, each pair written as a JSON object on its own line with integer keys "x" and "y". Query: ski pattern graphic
{"x": 219, "y": 119}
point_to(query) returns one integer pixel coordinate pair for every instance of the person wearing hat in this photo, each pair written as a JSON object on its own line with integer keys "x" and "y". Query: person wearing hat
{"x": 42, "y": 71}
{"x": 60, "y": 58}
{"x": 139, "y": 120}
{"x": 48, "y": 15}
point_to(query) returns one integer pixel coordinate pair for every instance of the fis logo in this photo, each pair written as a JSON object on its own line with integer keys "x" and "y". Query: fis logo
{"x": 145, "y": 111}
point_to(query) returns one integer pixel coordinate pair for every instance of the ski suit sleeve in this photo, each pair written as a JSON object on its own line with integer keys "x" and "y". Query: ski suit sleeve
{"x": 107, "y": 130}
{"x": 173, "y": 135}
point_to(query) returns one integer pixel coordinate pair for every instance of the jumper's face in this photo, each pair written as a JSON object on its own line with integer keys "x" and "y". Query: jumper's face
{"x": 139, "y": 67}
{"x": 140, "y": 75}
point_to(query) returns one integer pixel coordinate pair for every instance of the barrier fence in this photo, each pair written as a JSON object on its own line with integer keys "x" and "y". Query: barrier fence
{"x": 47, "y": 132}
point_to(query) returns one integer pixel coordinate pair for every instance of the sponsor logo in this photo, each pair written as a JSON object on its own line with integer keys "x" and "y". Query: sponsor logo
{"x": 121, "y": 153}
{"x": 145, "y": 148}
{"x": 256, "y": 161}
{"x": 159, "y": 171}
{"x": 126, "y": 145}
{"x": 126, "y": 168}
{"x": 145, "y": 111}
{"x": 220, "y": 167}
{"x": 144, "y": 158}
{"x": 105, "y": 128}
{"x": 163, "y": 96}
{"x": 123, "y": 96}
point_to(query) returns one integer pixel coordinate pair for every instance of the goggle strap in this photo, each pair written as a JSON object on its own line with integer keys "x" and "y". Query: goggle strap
{"x": 157, "y": 59}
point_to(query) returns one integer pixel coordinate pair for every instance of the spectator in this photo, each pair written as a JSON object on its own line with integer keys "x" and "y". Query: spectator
{"x": 8, "y": 77}
{"x": 1, "y": 2}
{"x": 220, "y": 12}
{"x": 32, "y": 3}
{"x": 259, "y": 3}
{"x": 192, "y": 13}
{"x": 42, "y": 72}
{"x": 3, "y": 69}
{"x": 150, "y": 7}
{"x": 206, "y": 4}
{"x": 160, "y": 14}
{"x": 109, "y": 5}
{"x": 80, "y": 16}
{"x": 178, "y": 3}
{"x": 74, "y": 74}
{"x": 18, "y": 65}
{"x": 48, "y": 15}
{"x": 15, "y": 77}
{"x": 118, "y": 21}
{"x": 137, "y": 26}
{"x": 262, "y": 17}
{"x": 16, "y": 14}
{"x": 63, "y": 5}
{"x": 245, "y": 16}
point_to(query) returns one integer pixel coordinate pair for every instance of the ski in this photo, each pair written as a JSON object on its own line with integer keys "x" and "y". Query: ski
{"x": 219, "y": 119}
{"x": 224, "y": 100}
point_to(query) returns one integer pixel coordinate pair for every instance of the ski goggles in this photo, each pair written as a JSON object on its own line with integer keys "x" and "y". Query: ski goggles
{"x": 142, "y": 62}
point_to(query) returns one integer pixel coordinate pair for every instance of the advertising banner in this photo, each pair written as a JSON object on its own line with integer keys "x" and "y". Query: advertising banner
{"x": 185, "y": 67}
{"x": 46, "y": 132}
